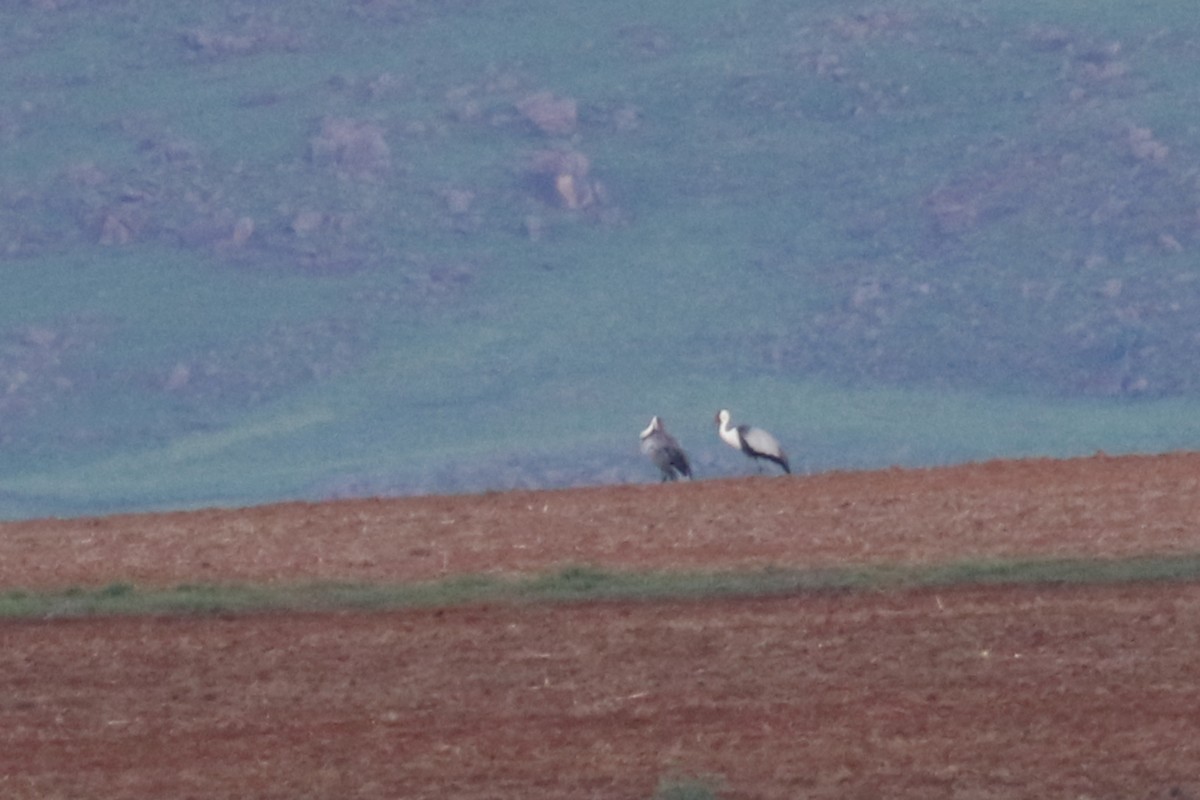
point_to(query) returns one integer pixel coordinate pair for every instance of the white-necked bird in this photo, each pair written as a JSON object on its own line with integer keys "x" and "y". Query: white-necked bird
{"x": 664, "y": 451}
{"x": 754, "y": 442}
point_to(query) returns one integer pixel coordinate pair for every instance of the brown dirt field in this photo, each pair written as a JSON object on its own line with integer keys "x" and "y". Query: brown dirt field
{"x": 966, "y": 692}
{"x": 1094, "y": 507}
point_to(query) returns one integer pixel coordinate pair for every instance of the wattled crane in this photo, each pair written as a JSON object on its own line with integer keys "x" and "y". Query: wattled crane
{"x": 754, "y": 442}
{"x": 664, "y": 451}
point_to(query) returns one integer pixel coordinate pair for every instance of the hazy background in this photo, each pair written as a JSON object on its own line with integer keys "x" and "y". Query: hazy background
{"x": 256, "y": 251}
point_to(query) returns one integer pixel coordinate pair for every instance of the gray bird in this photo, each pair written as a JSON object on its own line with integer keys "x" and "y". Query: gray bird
{"x": 664, "y": 451}
{"x": 754, "y": 442}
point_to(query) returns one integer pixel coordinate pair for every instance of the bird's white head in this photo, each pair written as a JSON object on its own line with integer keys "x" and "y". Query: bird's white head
{"x": 722, "y": 417}
{"x": 655, "y": 424}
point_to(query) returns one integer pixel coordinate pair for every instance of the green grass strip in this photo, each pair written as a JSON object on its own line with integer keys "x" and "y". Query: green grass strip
{"x": 580, "y": 584}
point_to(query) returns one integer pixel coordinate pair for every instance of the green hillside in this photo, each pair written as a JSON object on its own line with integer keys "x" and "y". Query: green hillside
{"x": 256, "y": 251}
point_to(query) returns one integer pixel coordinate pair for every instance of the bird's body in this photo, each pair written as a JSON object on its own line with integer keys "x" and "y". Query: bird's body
{"x": 662, "y": 448}
{"x": 754, "y": 442}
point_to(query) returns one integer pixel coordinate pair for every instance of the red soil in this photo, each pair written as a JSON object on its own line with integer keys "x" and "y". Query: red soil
{"x": 969, "y": 692}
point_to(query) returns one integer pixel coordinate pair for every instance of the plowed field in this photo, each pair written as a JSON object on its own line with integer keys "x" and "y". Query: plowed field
{"x": 965, "y": 692}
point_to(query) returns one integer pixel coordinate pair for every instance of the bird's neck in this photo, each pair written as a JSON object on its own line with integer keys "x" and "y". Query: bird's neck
{"x": 729, "y": 434}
